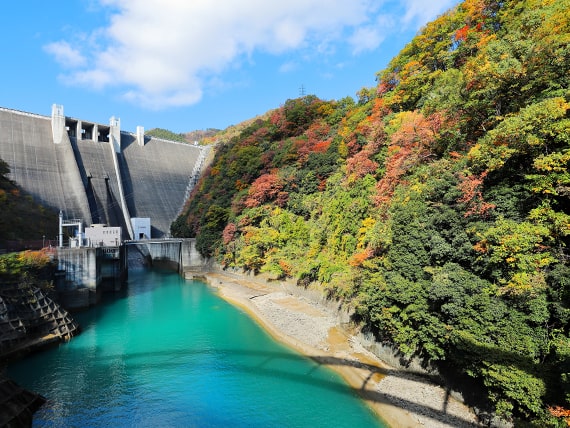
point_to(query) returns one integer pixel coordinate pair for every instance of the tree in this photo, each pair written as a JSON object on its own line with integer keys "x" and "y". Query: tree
{"x": 518, "y": 252}
{"x": 409, "y": 146}
{"x": 265, "y": 188}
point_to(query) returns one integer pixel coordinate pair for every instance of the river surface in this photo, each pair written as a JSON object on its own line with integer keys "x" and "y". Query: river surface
{"x": 171, "y": 353}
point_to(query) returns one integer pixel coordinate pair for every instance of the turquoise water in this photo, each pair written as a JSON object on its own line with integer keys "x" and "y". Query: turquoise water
{"x": 170, "y": 353}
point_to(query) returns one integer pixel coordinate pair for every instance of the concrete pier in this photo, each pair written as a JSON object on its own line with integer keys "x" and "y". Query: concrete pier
{"x": 78, "y": 278}
{"x": 175, "y": 254}
{"x": 85, "y": 273}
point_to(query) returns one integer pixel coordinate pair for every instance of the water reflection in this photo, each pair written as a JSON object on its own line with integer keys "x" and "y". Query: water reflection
{"x": 174, "y": 354}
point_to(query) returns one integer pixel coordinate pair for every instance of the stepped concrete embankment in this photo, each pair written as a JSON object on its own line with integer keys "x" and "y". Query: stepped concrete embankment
{"x": 29, "y": 320}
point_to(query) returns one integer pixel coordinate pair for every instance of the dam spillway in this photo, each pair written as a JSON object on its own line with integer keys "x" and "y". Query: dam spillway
{"x": 97, "y": 172}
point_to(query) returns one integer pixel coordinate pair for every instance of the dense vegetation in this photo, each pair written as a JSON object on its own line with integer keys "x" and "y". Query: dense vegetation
{"x": 21, "y": 218}
{"x": 200, "y": 135}
{"x": 165, "y": 134}
{"x": 436, "y": 204}
{"x": 27, "y": 268}
{"x": 187, "y": 137}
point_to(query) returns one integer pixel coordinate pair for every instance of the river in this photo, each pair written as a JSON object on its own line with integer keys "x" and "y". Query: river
{"x": 170, "y": 353}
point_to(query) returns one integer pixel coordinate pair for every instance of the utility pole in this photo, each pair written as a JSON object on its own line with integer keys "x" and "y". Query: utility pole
{"x": 302, "y": 91}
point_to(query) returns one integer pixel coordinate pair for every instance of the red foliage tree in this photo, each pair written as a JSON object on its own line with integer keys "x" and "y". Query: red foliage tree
{"x": 277, "y": 118}
{"x": 409, "y": 146}
{"x": 359, "y": 165}
{"x": 318, "y": 140}
{"x": 265, "y": 188}
{"x": 281, "y": 199}
{"x": 372, "y": 128}
{"x": 461, "y": 34}
{"x": 470, "y": 186}
{"x": 229, "y": 233}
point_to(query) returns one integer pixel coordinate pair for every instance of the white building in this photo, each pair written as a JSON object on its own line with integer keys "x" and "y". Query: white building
{"x": 141, "y": 228}
{"x": 99, "y": 235}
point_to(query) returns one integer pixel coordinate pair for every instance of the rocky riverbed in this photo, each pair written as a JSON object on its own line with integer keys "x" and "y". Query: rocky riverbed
{"x": 400, "y": 398}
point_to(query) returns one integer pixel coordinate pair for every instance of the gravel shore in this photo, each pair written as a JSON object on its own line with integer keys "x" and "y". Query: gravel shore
{"x": 399, "y": 398}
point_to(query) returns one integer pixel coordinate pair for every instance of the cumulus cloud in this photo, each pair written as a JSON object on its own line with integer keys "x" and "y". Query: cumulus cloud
{"x": 65, "y": 54}
{"x": 288, "y": 66}
{"x": 370, "y": 37}
{"x": 164, "y": 51}
{"x": 421, "y": 11}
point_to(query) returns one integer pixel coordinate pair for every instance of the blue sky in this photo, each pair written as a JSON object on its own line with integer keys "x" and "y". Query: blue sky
{"x": 195, "y": 64}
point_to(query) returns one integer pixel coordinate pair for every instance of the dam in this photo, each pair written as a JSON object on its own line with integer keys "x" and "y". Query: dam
{"x": 98, "y": 175}
{"x": 97, "y": 172}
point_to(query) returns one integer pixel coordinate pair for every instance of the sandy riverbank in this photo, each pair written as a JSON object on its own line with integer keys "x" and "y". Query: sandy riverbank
{"x": 401, "y": 400}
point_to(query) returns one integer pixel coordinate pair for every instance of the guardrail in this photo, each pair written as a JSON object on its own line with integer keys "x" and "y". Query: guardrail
{"x": 25, "y": 113}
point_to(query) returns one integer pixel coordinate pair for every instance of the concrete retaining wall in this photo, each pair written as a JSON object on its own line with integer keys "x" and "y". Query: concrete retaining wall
{"x": 80, "y": 266}
{"x": 165, "y": 254}
{"x": 176, "y": 254}
{"x": 191, "y": 259}
{"x": 80, "y": 276}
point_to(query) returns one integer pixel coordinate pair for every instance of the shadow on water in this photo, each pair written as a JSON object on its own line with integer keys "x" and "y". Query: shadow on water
{"x": 174, "y": 358}
{"x": 265, "y": 368}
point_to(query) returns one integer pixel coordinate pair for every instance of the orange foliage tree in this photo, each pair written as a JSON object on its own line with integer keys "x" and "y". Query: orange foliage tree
{"x": 470, "y": 186}
{"x": 409, "y": 146}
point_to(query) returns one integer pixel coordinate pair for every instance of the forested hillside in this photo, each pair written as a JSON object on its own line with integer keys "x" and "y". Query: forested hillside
{"x": 165, "y": 134}
{"x": 436, "y": 203}
{"x": 187, "y": 137}
{"x": 22, "y": 220}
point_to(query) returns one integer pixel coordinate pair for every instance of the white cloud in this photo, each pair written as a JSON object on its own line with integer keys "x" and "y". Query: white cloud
{"x": 421, "y": 12}
{"x": 413, "y": 14}
{"x": 65, "y": 54}
{"x": 366, "y": 39}
{"x": 288, "y": 67}
{"x": 165, "y": 51}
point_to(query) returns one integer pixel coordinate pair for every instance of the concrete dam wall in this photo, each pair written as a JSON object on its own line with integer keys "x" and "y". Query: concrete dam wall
{"x": 43, "y": 169}
{"x": 96, "y": 172}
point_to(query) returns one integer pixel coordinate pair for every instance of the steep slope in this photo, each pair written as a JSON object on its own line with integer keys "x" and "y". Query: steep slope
{"x": 436, "y": 204}
{"x": 23, "y": 222}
